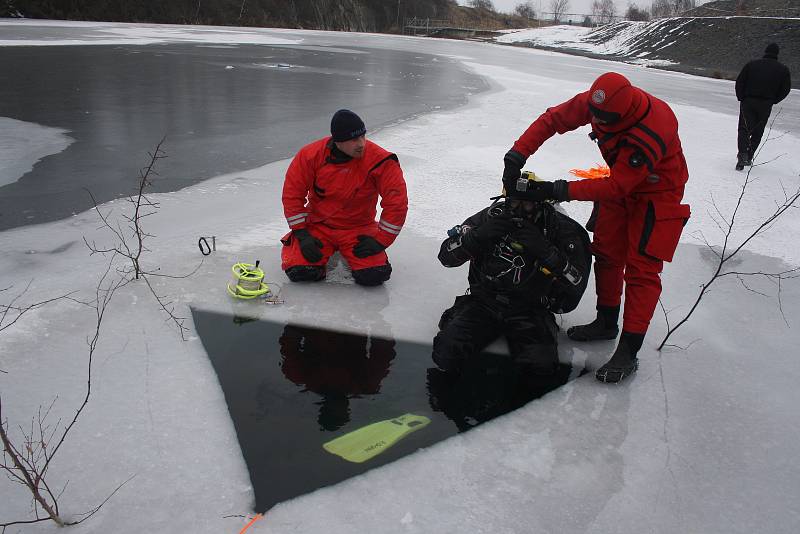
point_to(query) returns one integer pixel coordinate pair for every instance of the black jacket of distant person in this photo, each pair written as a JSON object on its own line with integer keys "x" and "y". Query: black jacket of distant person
{"x": 761, "y": 84}
{"x": 764, "y": 79}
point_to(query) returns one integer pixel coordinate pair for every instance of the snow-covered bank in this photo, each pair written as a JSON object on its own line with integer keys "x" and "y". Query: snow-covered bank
{"x": 668, "y": 451}
{"x": 621, "y": 40}
{"x": 716, "y": 47}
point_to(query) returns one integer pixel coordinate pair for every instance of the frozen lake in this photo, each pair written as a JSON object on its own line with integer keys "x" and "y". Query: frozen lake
{"x": 227, "y": 107}
{"x": 222, "y": 109}
{"x": 667, "y": 451}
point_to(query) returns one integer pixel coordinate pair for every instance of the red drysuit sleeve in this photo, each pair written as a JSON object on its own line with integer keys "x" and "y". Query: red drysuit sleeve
{"x": 560, "y": 119}
{"x": 394, "y": 201}
{"x": 624, "y": 178}
{"x": 297, "y": 184}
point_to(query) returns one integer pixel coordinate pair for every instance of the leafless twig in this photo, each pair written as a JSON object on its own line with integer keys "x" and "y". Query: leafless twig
{"x": 130, "y": 241}
{"x": 12, "y": 312}
{"x": 143, "y": 206}
{"x": 28, "y": 463}
{"x": 728, "y": 251}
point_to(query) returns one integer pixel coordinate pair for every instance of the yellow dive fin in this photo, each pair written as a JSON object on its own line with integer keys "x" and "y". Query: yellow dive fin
{"x": 362, "y": 444}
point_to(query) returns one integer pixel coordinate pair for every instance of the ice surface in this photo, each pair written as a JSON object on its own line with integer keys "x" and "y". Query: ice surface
{"x": 22, "y": 144}
{"x": 703, "y": 439}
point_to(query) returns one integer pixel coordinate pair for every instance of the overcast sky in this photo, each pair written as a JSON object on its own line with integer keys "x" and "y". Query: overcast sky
{"x": 575, "y": 6}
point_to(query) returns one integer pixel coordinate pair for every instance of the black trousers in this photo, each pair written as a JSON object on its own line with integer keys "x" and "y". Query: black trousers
{"x": 753, "y": 116}
{"x": 472, "y": 324}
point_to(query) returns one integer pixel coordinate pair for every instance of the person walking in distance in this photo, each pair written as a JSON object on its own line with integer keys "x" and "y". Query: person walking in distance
{"x": 761, "y": 84}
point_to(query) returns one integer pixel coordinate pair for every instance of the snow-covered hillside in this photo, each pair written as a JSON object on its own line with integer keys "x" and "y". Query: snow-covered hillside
{"x": 707, "y": 46}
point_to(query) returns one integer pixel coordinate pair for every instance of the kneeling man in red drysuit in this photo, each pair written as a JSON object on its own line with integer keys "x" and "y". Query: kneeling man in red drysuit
{"x": 638, "y": 216}
{"x": 329, "y": 199}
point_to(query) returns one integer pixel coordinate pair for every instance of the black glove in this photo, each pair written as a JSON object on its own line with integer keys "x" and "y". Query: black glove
{"x": 487, "y": 234}
{"x": 539, "y": 191}
{"x": 367, "y": 246}
{"x": 513, "y": 161}
{"x": 548, "y": 256}
{"x": 310, "y": 246}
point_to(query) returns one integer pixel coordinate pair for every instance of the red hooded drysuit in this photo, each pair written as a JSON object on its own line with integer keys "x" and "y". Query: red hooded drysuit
{"x": 638, "y": 217}
{"x": 335, "y": 199}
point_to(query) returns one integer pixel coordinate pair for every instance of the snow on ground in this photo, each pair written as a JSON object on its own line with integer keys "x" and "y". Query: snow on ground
{"x": 557, "y": 35}
{"x": 622, "y": 43}
{"x": 703, "y": 439}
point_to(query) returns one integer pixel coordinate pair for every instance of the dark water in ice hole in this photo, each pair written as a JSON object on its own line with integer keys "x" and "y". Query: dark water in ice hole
{"x": 291, "y": 388}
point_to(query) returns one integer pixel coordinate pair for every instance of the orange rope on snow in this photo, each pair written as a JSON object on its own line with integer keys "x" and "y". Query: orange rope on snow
{"x": 248, "y": 525}
{"x": 598, "y": 171}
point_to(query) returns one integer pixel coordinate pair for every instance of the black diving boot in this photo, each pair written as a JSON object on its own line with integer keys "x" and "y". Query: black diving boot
{"x": 623, "y": 362}
{"x": 742, "y": 161}
{"x": 603, "y": 327}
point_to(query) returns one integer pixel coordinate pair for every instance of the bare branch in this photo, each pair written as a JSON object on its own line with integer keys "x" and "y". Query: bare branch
{"x": 11, "y": 523}
{"x": 21, "y": 471}
{"x": 726, "y": 253}
{"x": 664, "y": 311}
{"x": 719, "y": 215}
{"x": 768, "y": 221}
{"x": 96, "y": 509}
{"x": 12, "y": 307}
{"x": 131, "y": 244}
{"x": 743, "y": 282}
{"x": 170, "y": 311}
{"x": 30, "y": 465}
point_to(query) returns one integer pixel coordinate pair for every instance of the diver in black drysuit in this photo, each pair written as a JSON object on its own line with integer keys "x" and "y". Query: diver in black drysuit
{"x": 527, "y": 262}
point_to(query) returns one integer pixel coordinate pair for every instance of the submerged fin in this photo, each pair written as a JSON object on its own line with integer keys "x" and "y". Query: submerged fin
{"x": 360, "y": 445}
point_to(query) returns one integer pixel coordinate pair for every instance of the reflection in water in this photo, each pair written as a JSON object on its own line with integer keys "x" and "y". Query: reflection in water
{"x": 336, "y": 366}
{"x": 291, "y": 388}
{"x": 243, "y": 319}
{"x": 489, "y": 386}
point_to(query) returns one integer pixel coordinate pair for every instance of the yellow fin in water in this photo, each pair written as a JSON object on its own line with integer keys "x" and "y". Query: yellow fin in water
{"x": 360, "y": 445}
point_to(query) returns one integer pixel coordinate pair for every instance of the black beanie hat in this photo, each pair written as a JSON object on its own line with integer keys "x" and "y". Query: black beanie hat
{"x": 346, "y": 125}
{"x": 772, "y": 50}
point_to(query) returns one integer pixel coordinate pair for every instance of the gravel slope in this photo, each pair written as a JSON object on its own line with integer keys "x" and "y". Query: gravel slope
{"x": 706, "y": 46}
{"x": 718, "y": 47}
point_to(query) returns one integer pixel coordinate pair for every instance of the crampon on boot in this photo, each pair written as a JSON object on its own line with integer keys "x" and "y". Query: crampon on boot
{"x": 603, "y": 327}
{"x": 623, "y": 362}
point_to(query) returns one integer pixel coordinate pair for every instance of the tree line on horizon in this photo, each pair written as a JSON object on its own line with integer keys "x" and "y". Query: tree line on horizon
{"x": 347, "y": 15}
{"x": 385, "y": 16}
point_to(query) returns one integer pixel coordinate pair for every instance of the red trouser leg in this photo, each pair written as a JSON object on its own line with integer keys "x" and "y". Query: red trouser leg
{"x": 291, "y": 256}
{"x": 610, "y": 247}
{"x": 642, "y": 277}
{"x": 616, "y": 245}
{"x": 334, "y": 239}
{"x": 347, "y": 239}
